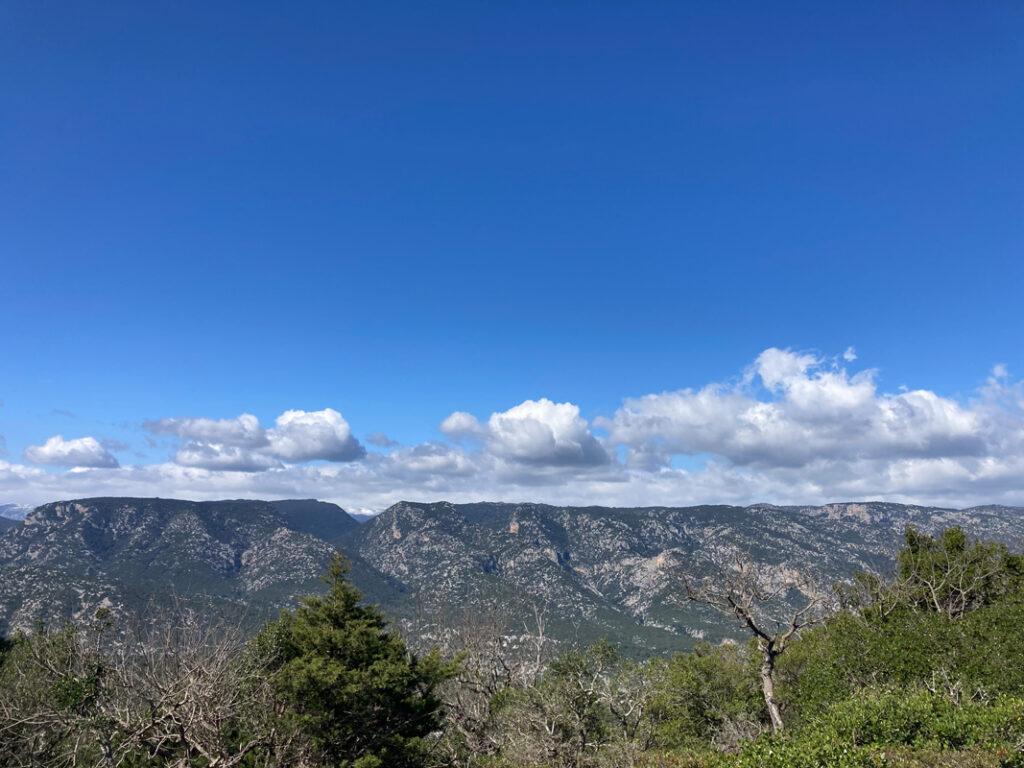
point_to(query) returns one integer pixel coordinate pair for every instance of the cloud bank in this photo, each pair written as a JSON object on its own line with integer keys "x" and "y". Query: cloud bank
{"x": 792, "y": 427}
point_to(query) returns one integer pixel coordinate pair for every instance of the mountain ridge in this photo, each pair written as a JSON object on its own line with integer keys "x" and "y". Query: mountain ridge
{"x": 592, "y": 571}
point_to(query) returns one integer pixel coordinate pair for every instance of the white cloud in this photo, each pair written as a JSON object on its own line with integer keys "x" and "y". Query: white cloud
{"x": 796, "y": 428}
{"x": 80, "y": 452}
{"x": 815, "y": 411}
{"x": 229, "y": 457}
{"x": 311, "y": 435}
{"x": 461, "y": 424}
{"x": 850, "y": 354}
{"x": 244, "y": 431}
{"x": 242, "y": 444}
{"x": 546, "y": 433}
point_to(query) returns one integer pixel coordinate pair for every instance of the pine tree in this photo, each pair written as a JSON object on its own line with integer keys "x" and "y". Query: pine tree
{"x": 361, "y": 698}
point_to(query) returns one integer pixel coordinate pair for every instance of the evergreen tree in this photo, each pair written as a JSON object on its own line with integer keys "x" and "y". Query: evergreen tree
{"x": 361, "y": 698}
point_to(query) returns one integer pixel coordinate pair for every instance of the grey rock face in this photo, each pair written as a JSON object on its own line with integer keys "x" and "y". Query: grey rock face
{"x": 587, "y": 571}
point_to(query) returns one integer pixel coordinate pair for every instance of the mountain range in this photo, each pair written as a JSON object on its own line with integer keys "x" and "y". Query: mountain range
{"x": 13, "y": 512}
{"x": 585, "y": 572}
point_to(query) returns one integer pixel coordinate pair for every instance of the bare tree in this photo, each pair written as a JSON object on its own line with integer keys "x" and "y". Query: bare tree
{"x": 773, "y": 604}
{"x": 170, "y": 690}
{"x": 493, "y": 658}
{"x": 182, "y": 687}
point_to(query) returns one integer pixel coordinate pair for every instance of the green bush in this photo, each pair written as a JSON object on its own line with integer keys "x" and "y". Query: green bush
{"x": 710, "y": 696}
{"x": 888, "y": 728}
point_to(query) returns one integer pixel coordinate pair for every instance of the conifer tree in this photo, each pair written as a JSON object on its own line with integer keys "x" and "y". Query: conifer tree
{"x": 362, "y": 699}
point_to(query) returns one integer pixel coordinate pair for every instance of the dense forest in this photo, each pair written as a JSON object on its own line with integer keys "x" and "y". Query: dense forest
{"x": 923, "y": 667}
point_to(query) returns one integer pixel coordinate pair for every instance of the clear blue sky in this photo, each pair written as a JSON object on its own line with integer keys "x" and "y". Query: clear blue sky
{"x": 403, "y": 210}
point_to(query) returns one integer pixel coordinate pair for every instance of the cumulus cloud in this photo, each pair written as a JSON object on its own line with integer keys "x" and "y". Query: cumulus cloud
{"x": 310, "y": 435}
{"x": 793, "y": 427}
{"x": 814, "y": 411}
{"x": 461, "y": 424}
{"x": 80, "y": 452}
{"x": 543, "y": 432}
{"x": 244, "y": 431}
{"x": 242, "y": 444}
{"x": 229, "y": 457}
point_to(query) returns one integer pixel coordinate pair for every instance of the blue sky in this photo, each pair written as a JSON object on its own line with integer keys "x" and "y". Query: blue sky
{"x": 403, "y": 211}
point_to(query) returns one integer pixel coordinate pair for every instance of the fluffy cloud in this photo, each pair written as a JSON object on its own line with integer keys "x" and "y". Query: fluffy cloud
{"x": 242, "y": 444}
{"x": 229, "y": 457}
{"x": 461, "y": 424}
{"x": 814, "y": 411}
{"x": 310, "y": 435}
{"x": 244, "y": 431}
{"x": 80, "y": 452}
{"x": 535, "y": 432}
{"x": 543, "y": 432}
{"x": 793, "y": 427}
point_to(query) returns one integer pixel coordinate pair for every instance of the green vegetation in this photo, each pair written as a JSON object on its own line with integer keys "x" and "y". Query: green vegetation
{"x": 327, "y": 685}
{"x": 925, "y": 669}
{"x": 349, "y": 685}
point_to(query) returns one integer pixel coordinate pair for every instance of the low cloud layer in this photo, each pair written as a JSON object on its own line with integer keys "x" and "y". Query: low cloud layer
{"x": 793, "y": 427}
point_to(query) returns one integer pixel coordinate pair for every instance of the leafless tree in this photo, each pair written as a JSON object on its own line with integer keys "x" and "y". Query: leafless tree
{"x": 774, "y": 604}
{"x": 493, "y": 657}
{"x": 170, "y": 690}
{"x": 188, "y": 689}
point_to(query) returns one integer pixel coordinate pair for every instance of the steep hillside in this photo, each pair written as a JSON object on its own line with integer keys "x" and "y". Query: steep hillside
{"x": 244, "y": 557}
{"x": 319, "y": 518}
{"x": 603, "y": 571}
{"x": 586, "y": 571}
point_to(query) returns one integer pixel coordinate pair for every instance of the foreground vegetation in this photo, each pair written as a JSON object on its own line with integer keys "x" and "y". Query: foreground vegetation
{"x": 923, "y": 669}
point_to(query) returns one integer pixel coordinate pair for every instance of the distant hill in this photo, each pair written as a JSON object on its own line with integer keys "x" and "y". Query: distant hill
{"x": 361, "y": 517}
{"x": 6, "y": 522}
{"x": 14, "y": 511}
{"x": 589, "y": 571}
{"x": 320, "y": 518}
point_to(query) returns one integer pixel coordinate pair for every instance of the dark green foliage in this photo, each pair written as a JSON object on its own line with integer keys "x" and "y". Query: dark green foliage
{"x": 952, "y": 620}
{"x": 353, "y": 687}
{"x": 710, "y": 696}
{"x": 982, "y": 651}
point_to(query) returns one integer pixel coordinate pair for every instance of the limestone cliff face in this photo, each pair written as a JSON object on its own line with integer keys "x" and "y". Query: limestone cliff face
{"x": 588, "y": 571}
